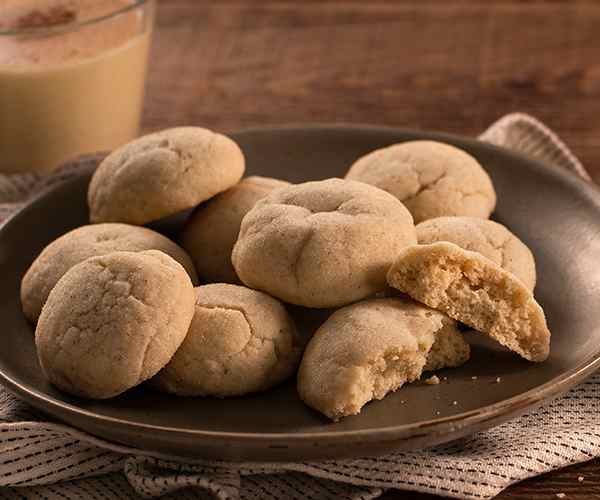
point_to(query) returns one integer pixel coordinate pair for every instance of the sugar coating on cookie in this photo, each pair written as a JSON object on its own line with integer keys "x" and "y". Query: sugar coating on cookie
{"x": 322, "y": 244}
{"x": 431, "y": 178}
{"x": 368, "y": 349}
{"x": 114, "y": 321}
{"x": 81, "y": 244}
{"x": 471, "y": 288}
{"x": 489, "y": 238}
{"x": 211, "y": 232}
{"x": 240, "y": 341}
{"x": 161, "y": 174}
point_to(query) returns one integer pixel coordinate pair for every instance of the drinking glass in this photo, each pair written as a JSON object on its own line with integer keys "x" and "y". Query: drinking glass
{"x": 72, "y": 76}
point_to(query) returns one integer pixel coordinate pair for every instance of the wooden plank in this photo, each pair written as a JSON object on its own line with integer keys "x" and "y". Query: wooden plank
{"x": 444, "y": 66}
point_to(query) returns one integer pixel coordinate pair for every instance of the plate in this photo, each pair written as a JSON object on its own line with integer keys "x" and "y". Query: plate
{"x": 555, "y": 213}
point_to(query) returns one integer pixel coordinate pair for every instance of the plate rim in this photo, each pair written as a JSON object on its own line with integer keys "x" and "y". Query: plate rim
{"x": 495, "y": 412}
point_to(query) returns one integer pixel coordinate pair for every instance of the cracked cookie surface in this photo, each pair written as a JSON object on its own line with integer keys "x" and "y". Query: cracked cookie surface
{"x": 240, "y": 341}
{"x": 490, "y": 239}
{"x": 163, "y": 173}
{"x": 474, "y": 290}
{"x": 81, "y": 244}
{"x": 323, "y": 243}
{"x": 368, "y": 349}
{"x": 113, "y": 321}
{"x": 431, "y": 178}
{"x": 213, "y": 228}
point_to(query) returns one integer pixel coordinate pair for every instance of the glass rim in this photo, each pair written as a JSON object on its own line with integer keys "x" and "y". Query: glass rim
{"x": 63, "y": 28}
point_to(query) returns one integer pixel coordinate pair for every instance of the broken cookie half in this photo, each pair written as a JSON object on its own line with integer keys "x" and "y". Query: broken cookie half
{"x": 472, "y": 289}
{"x": 368, "y": 349}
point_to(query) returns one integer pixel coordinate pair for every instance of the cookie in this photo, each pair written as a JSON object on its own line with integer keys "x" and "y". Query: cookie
{"x": 368, "y": 349}
{"x": 490, "y": 239}
{"x": 449, "y": 349}
{"x": 474, "y": 290}
{"x": 114, "y": 321}
{"x": 322, "y": 244}
{"x": 240, "y": 341}
{"x": 81, "y": 244}
{"x": 431, "y": 178}
{"x": 164, "y": 173}
{"x": 213, "y": 228}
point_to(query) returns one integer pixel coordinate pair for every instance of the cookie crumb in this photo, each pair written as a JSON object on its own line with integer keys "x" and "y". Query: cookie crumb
{"x": 433, "y": 380}
{"x": 474, "y": 377}
{"x": 580, "y": 479}
{"x": 454, "y": 403}
{"x": 561, "y": 495}
{"x": 402, "y": 401}
{"x": 498, "y": 380}
{"x": 437, "y": 412}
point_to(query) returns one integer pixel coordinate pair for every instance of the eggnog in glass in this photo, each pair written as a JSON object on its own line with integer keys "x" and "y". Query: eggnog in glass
{"x": 72, "y": 78}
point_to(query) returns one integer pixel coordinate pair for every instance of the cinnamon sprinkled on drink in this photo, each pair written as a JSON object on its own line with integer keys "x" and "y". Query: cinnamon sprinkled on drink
{"x": 53, "y": 16}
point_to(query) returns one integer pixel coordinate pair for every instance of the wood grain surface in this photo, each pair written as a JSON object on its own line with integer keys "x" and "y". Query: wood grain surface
{"x": 454, "y": 66}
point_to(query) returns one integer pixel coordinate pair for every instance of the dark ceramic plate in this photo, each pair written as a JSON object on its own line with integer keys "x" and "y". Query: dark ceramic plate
{"x": 556, "y": 214}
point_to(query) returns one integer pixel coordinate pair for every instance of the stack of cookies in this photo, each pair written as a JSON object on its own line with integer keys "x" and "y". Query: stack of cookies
{"x": 117, "y": 304}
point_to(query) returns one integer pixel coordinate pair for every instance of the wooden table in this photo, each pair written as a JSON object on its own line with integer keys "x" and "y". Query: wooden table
{"x": 444, "y": 65}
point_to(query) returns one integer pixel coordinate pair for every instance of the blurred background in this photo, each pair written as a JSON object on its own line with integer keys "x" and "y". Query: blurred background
{"x": 442, "y": 65}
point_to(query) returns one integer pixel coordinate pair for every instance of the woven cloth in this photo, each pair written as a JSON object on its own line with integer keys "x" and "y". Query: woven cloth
{"x": 40, "y": 458}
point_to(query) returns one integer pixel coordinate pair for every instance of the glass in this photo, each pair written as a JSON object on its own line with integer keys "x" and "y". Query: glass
{"x": 72, "y": 76}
